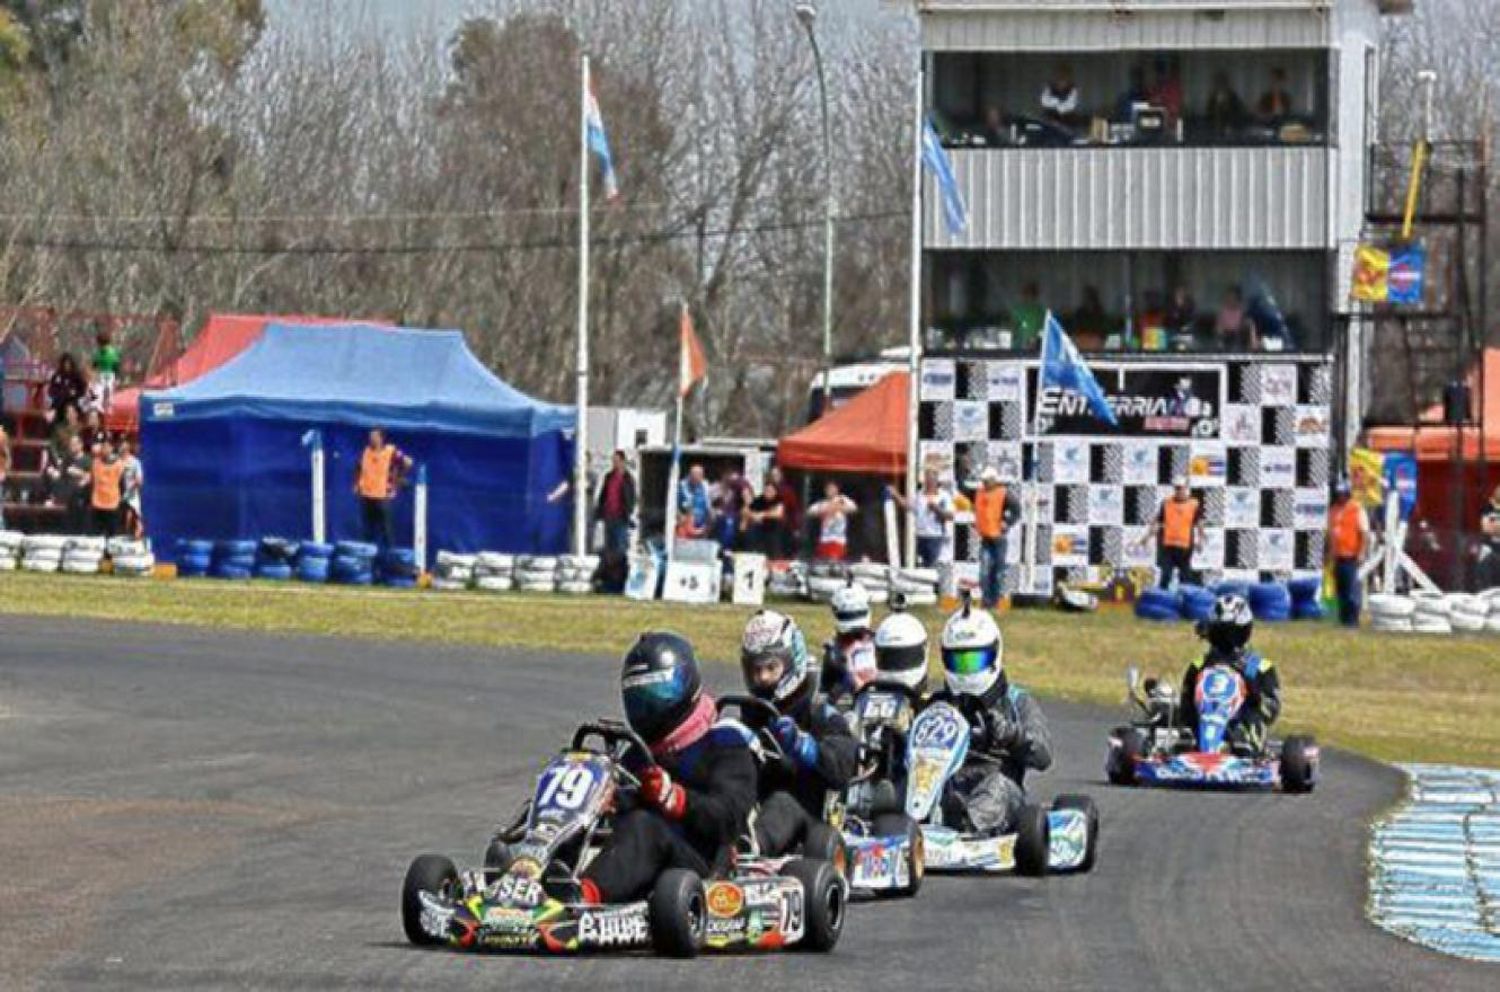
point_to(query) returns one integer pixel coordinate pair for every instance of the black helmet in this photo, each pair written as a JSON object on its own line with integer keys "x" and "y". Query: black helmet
{"x": 1227, "y": 629}
{"x": 659, "y": 683}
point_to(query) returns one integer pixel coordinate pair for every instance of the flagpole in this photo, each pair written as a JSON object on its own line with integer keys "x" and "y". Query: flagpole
{"x": 581, "y": 434}
{"x": 674, "y": 474}
{"x": 1032, "y": 484}
{"x": 914, "y": 330}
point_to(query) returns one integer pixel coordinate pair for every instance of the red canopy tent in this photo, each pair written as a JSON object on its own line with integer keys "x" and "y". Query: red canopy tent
{"x": 1437, "y": 446}
{"x": 223, "y": 337}
{"x": 866, "y": 435}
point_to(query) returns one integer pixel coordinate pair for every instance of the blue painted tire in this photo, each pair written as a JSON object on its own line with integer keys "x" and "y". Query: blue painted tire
{"x": 192, "y": 546}
{"x": 1308, "y": 611}
{"x": 1158, "y": 599}
{"x": 1270, "y": 601}
{"x": 400, "y": 582}
{"x": 1240, "y": 589}
{"x": 360, "y": 579}
{"x": 245, "y": 562}
{"x": 1305, "y": 590}
{"x": 235, "y": 549}
{"x": 279, "y": 573}
{"x": 314, "y": 573}
{"x": 355, "y": 549}
{"x": 311, "y": 549}
{"x": 233, "y": 572}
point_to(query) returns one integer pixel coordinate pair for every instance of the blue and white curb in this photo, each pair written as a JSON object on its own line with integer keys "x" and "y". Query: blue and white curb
{"x": 1436, "y": 862}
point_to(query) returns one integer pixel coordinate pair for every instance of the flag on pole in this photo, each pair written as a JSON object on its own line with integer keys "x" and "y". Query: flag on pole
{"x": 691, "y": 365}
{"x": 599, "y": 144}
{"x": 936, "y": 159}
{"x": 1064, "y": 367}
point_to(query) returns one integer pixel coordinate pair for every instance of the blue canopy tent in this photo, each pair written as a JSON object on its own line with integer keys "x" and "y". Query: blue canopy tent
{"x": 224, "y": 455}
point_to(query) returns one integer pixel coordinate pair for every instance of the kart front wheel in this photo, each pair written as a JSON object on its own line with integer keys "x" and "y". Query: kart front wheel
{"x": 1120, "y": 765}
{"x": 822, "y": 903}
{"x": 497, "y": 859}
{"x": 434, "y": 875}
{"x": 898, "y": 825}
{"x": 678, "y": 912}
{"x": 1299, "y": 771}
{"x": 1084, "y": 805}
{"x": 1033, "y": 841}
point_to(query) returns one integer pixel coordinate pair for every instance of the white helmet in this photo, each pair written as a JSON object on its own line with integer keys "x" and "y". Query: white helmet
{"x": 973, "y": 652}
{"x": 851, "y": 608}
{"x": 901, "y": 652}
{"x": 774, "y": 635}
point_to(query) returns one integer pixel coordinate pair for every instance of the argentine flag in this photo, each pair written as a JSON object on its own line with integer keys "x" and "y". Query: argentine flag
{"x": 936, "y": 159}
{"x": 1064, "y": 368}
{"x": 599, "y": 144}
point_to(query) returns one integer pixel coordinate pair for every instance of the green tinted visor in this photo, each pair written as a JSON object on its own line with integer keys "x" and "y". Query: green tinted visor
{"x": 970, "y": 661}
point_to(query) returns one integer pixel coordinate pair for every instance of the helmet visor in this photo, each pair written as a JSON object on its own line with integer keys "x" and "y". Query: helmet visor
{"x": 901, "y": 660}
{"x": 649, "y": 699}
{"x": 970, "y": 661}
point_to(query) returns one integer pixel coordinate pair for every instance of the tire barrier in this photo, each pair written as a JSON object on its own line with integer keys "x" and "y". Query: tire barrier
{"x": 1270, "y": 601}
{"x": 396, "y": 567}
{"x": 1196, "y": 602}
{"x": 1158, "y": 604}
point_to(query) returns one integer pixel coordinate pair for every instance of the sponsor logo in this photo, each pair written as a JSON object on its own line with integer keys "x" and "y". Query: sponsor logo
{"x": 507, "y": 919}
{"x": 725, "y": 899}
{"x": 725, "y": 930}
{"x": 519, "y": 891}
{"x": 507, "y": 941}
{"x": 613, "y": 928}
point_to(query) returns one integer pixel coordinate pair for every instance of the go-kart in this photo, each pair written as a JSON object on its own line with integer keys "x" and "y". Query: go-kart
{"x": 747, "y": 904}
{"x": 1062, "y": 839}
{"x": 1157, "y": 749}
{"x": 885, "y": 844}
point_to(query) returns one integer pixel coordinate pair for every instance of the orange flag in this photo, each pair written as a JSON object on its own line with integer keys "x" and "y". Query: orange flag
{"x": 691, "y": 366}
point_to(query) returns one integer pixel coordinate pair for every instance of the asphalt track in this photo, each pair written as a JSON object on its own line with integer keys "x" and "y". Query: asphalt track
{"x": 193, "y": 809}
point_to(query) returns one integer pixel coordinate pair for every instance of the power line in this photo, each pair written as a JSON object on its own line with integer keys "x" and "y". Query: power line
{"x": 125, "y": 246}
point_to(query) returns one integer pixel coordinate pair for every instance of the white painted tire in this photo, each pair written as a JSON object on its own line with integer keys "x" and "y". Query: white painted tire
{"x": 80, "y": 568}
{"x": 452, "y": 559}
{"x": 494, "y": 583}
{"x": 9, "y": 563}
{"x": 44, "y": 542}
{"x": 1467, "y": 622}
{"x": 448, "y": 585}
{"x": 536, "y": 586}
{"x": 1386, "y": 605}
{"x": 456, "y": 573}
{"x": 1492, "y": 625}
{"x": 575, "y": 588}
{"x": 41, "y": 564}
{"x": 494, "y": 562}
{"x": 92, "y": 544}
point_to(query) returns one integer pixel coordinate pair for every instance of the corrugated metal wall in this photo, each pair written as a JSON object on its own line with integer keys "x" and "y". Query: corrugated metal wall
{"x": 1141, "y": 198}
{"x": 1101, "y": 29}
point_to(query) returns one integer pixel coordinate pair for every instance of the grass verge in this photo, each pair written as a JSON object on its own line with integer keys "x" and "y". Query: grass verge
{"x": 1393, "y": 697}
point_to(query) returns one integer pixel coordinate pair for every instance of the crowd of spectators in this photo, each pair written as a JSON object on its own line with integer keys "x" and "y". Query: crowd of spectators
{"x": 1150, "y": 107}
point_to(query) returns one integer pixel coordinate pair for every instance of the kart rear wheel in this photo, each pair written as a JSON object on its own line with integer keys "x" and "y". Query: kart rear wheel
{"x": 896, "y": 825}
{"x": 1298, "y": 768}
{"x": 823, "y": 903}
{"x": 823, "y": 843}
{"x": 435, "y": 875}
{"x": 1120, "y": 764}
{"x": 1086, "y": 806}
{"x": 497, "y": 859}
{"x": 1033, "y": 840}
{"x": 678, "y": 913}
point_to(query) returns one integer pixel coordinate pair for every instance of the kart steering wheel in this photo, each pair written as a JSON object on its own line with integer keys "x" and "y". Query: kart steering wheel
{"x": 618, "y": 740}
{"x": 768, "y": 715}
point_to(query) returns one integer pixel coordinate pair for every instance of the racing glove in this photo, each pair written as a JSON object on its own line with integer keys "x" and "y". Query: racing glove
{"x": 1003, "y": 733}
{"x": 801, "y": 747}
{"x": 658, "y": 790}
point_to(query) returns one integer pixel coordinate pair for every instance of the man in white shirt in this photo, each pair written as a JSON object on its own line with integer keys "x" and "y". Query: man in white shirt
{"x": 832, "y": 513}
{"x": 1060, "y": 97}
{"x": 934, "y": 508}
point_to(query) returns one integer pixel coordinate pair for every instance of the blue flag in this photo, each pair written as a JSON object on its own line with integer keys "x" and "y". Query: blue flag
{"x": 1405, "y": 276}
{"x": 936, "y": 159}
{"x": 1064, "y": 367}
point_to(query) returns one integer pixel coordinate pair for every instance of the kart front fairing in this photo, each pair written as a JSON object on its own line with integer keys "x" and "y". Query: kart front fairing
{"x": 1210, "y": 770}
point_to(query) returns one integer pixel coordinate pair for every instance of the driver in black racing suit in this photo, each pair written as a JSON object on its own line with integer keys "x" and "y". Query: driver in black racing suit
{"x": 695, "y": 802}
{"x": 821, "y": 752}
{"x": 1227, "y": 631}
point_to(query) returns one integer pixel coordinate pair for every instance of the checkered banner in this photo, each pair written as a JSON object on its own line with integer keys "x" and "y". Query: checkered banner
{"x": 1252, "y": 437}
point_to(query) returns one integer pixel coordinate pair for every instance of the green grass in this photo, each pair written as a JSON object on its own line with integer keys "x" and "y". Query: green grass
{"x": 1398, "y": 698}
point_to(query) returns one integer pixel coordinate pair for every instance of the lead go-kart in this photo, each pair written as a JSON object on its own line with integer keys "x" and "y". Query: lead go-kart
{"x": 894, "y": 839}
{"x": 749, "y": 903}
{"x": 1157, "y": 749}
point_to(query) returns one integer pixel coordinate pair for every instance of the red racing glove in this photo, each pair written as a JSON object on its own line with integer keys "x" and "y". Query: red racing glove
{"x": 658, "y": 789}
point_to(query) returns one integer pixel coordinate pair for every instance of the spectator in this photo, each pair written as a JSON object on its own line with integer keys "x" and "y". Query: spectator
{"x": 1153, "y": 322}
{"x": 72, "y": 479}
{"x": 1233, "y": 329}
{"x": 1348, "y": 536}
{"x": 1225, "y": 110}
{"x": 994, "y": 130}
{"x": 694, "y": 507}
{"x": 933, "y": 508}
{"x": 1489, "y": 546}
{"x": 4, "y": 470}
{"x": 1165, "y": 90}
{"x": 995, "y": 510}
{"x": 1179, "y": 528}
{"x": 1135, "y": 93}
{"x": 106, "y": 493}
{"x": 106, "y": 363}
{"x": 1275, "y": 104}
{"x": 1060, "y": 97}
{"x": 832, "y": 513}
{"x": 1182, "y": 311}
{"x": 616, "y": 504}
{"x": 131, "y": 481}
{"x": 764, "y": 522}
{"x": 1028, "y": 317}
{"x": 791, "y": 512}
{"x": 382, "y": 466}
{"x": 728, "y": 502}
{"x": 1091, "y": 325}
{"x": 66, "y": 388}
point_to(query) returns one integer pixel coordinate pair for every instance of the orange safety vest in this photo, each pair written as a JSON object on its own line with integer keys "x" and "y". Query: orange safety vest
{"x": 989, "y": 512}
{"x": 375, "y": 472}
{"x": 107, "y": 484}
{"x": 1177, "y": 522}
{"x": 1343, "y": 527}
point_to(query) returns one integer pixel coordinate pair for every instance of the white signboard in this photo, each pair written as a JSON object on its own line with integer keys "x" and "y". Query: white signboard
{"x": 692, "y": 582}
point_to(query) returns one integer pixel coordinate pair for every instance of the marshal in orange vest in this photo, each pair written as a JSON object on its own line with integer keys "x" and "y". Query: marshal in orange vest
{"x": 375, "y": 472}
{"x": 1177, "y": 519}
{"x": 989, "y": 512}
{"x": 1344, "y": 530}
